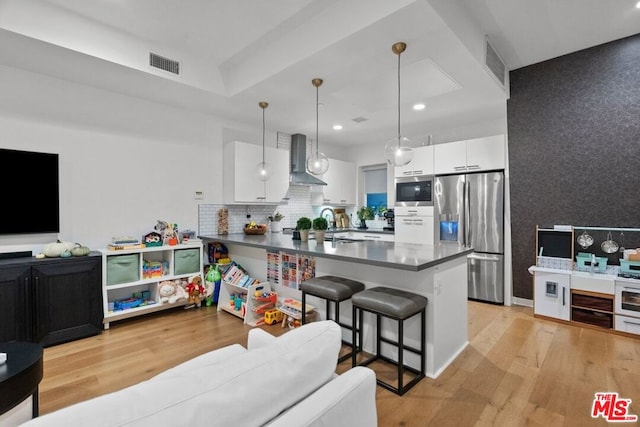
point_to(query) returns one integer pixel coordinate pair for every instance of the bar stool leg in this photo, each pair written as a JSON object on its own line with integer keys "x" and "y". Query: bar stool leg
{"x": 423, "y": 340}
{"x": 353, "y": 335}
{"x": 304, "y": 312}
{"x": 400, "y": 355}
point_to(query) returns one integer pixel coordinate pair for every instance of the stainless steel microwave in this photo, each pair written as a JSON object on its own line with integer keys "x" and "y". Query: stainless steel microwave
{"x": 414, "y": 191}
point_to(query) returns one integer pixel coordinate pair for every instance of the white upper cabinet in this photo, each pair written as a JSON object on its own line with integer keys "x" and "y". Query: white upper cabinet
{"x": 471, "y": 155}
{"x": 341, "y": 183}
{"x": 241, "y": 183}
{"x": 421, "y": 164}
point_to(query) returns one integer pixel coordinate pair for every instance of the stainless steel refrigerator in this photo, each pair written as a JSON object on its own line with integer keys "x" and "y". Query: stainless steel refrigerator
{"x": 469, "y": 211}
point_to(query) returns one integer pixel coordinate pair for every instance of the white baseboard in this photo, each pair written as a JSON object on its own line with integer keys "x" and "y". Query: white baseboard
{"x": 522, "y": 301}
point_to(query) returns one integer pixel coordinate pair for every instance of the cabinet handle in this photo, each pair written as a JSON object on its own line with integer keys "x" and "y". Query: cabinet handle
{"x": 459, "y": 168}
{"x": 407, "y": 173}
{"x": 631, "y": 323}
{"x": 372, "y": 237}
{"x": 261, "y": 198}
{"x": 326, "y": 200}
{"x": 343, "y": 201}
{"x": 417, "y": 221}
{"x": 564, "y": 302}
{"x": 286, "y": 198}
{"x": 473, "y": 166}
{"x": 418, "y": 172}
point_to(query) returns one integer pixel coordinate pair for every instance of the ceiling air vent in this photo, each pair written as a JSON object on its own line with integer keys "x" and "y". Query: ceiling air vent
{"x": 495, "y": 64}
{"x": 166, "y": 64}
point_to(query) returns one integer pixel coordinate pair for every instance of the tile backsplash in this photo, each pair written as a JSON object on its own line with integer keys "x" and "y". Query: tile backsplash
{"x": 299, "y": 205}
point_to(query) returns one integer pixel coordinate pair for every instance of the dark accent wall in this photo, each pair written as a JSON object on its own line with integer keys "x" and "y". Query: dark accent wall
{"x": 574, "y": 148}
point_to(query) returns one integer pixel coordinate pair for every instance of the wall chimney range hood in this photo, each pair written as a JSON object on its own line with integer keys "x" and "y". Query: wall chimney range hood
{"x": 298, "y": 167}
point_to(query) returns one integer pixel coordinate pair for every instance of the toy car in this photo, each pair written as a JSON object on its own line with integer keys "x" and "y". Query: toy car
{"x": 273, "y": 316}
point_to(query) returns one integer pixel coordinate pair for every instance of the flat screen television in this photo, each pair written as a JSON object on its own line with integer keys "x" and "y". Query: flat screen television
{"x": 30, "y": 192}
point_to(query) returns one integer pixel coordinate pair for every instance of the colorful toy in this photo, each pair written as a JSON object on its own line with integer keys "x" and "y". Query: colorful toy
{"x": 212, "y": 281}
{"x": 195, "y": 290}
{"x": 273, "y": 316}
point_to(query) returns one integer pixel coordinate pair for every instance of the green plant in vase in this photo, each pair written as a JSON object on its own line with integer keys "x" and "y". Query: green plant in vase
{"x": 365, "y": 213}
{"x": 320, "y": 226}
{"x": 303, "y": 225}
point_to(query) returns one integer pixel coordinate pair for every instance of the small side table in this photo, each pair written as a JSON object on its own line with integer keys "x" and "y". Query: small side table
{"x": 20, "y": 375}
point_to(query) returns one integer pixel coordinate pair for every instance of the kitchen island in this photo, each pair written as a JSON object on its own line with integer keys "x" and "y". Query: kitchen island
{"x": 436, "y": 272}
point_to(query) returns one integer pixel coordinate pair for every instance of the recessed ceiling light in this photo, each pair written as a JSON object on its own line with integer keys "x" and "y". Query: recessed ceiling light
{"x": 638, "y": 5}
{"x": 419, "y": 107}
{"x": 337, "y": 127}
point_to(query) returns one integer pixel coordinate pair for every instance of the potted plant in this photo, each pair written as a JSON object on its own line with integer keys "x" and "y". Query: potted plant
{"x": 274, "y": 220}
{"x": 365, "y": 213}
{"x": 303, "y": 225}
{"x": 320, "y": 226}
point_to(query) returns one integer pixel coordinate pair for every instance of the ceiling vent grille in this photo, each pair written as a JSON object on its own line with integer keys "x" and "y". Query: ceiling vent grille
{"x": 162, "y": 63}
{"x": 495, "y": 64}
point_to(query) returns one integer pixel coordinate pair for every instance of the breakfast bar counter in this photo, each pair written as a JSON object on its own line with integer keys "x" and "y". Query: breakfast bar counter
{"x": 403, "y": 256}
{"x": 436, "y": 272}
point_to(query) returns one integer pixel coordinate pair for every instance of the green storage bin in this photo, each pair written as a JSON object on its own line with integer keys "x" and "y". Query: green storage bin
{"x": 123, "y": 268}
{"x": 186, "y": 261}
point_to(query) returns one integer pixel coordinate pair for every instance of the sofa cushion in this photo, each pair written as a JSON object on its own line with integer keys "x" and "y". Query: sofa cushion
{"x": 204, "y": 361}
{"x": 347, "y": 400}
{"x": 248, "y": 388}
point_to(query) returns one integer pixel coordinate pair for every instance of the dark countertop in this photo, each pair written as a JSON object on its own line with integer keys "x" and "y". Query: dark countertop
{"x": 403, "y": 256}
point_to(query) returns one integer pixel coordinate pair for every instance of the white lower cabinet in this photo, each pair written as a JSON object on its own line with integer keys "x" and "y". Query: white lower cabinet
{"x": 414, "y": 225}
{"x": 627, "y": 324}
{"x": 552, "y": 295}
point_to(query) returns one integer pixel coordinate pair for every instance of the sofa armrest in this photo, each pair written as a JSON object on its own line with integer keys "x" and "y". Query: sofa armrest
{"x": 258, "y": 338}
{"x": 348, "y": 400}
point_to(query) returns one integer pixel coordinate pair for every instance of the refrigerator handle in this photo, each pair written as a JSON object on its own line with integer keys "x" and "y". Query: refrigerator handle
{"x": 467, "y": 212}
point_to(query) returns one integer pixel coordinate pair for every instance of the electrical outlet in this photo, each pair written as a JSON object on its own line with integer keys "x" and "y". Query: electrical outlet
{"x": 198, "y": 195}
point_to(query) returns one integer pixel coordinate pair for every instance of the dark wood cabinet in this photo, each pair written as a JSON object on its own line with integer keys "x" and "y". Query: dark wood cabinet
{"x": 50, "y": 301}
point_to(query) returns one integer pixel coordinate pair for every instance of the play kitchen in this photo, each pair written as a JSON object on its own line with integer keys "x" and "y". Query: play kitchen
{"x": 590, "y": 276}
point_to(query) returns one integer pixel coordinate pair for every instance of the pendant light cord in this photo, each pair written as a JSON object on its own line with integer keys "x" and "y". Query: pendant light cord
{"x": 399, "y": 140}
{"x": 263, "y": 136}
{"x": 317, "y": 143}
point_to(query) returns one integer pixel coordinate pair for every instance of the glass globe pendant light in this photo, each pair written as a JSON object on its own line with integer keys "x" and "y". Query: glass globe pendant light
{"x": 264, "y": 168}
{"x": 317, "y": 162}
{"x": 398, "y": 151}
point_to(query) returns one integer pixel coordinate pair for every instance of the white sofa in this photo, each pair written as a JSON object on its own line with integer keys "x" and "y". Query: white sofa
{"x": 280, "y": 381}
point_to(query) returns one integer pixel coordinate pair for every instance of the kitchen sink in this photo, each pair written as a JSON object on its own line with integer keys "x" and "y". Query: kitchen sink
{"x": 342, "y": 239}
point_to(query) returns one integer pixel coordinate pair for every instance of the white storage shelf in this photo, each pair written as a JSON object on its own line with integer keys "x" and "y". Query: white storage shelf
{"x": 248, "y": 311}
{"x": 122, "y": 281}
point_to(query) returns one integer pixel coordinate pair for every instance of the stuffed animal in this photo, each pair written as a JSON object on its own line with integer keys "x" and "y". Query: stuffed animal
{"x": 195, "y": 289}
{"x": 170, "y": 292}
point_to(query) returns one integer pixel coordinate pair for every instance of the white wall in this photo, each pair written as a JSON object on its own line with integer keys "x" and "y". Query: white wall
{"x": 124, "y": 162}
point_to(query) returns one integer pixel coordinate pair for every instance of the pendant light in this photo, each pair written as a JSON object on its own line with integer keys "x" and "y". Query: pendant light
{"x": 264, "y": 168}
{"x": 398, "y": 151}
{"x": 317, "y": 162}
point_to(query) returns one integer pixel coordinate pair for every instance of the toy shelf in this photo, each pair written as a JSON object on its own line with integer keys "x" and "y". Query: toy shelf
{"x": 250, "y": 311}
{"x": 125, "y": 273}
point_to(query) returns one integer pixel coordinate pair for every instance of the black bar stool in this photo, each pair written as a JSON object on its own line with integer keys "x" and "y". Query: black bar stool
{"x": 336, "y": 289}
{"x": 398, "y": 305}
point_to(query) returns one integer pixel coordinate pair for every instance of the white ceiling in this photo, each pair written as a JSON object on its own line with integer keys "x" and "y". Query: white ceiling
{"x": 234, "y": 54}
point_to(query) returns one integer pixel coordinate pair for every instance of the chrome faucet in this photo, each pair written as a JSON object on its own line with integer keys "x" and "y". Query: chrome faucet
{"x": 332, "y": 222}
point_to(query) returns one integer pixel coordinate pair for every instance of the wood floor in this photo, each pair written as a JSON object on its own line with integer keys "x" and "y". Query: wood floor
{"x": 517, "y": 370}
